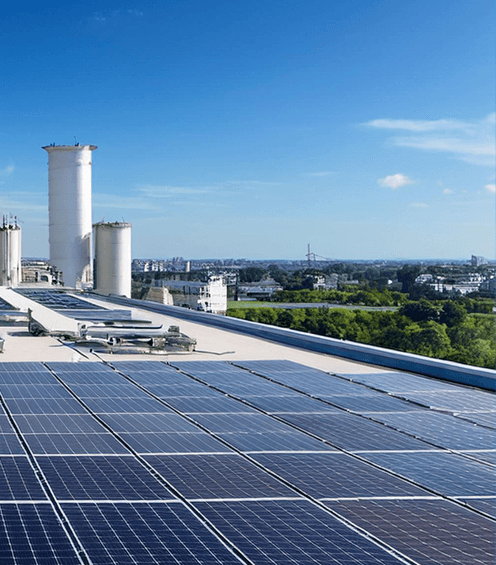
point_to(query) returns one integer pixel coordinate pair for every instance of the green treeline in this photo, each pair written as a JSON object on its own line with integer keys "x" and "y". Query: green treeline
{"x": 365, "y": 297}
{"x": 444, "y": 330}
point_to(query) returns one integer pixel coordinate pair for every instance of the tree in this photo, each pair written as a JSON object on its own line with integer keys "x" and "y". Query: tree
{"x": 421, "y": 311}
{"x": 452, "y": 314}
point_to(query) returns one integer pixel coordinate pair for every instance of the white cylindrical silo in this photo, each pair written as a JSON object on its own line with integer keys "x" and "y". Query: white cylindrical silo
{"x": 10, "y": 253}
{"x": 113, "y": 258}
{"x": 69, "y": 211}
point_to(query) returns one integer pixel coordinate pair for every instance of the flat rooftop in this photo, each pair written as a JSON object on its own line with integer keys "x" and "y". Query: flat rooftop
{"x": 244, "y": 451}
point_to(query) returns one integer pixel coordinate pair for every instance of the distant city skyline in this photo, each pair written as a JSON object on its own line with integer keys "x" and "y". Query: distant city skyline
{"x": 250, "y": 130}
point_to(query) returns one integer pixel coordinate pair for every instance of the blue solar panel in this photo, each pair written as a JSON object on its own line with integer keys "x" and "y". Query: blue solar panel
{"x": 193, "y": 389}
{"x": 457, "y": 400}
{"x": 103, "y": 390}
{"x": 217, "y": 476}
{"x": 354, "y": 433}
{"x": 378, "y": 402}
{"x": 32, "y": 534}
{"x": 18, "y": 480}
{"x": 34, "y": 391}
{"x": 486, "y": 505}
{"x": 58, "y": 423}
{"x": 445, "y": 473}
{"x": 229, "y": 423}
{"x": 101, "y": 478}
{"x": 291, "y": 532}
{"x": 440, "y": 429}
{"x": 274, "y": 441}
{"x": 207, "y": 405}
{"x": 487, "y": 419}
{"x": 145, "y": 534}
{"x": 45, "y": 406}
{"x": 148, "y": 423}
{"x": 10, "y": 444}
{"x": 399, "y": 382}
{"x": 5, "y": 425}
{"x": 427, "y": 531}
{"x": 67, "y": 444}
{"x": 487, "y": 456}
{"x": 173, "y": 442}
{"x": 335, "y": 475}
{"x": 42, "y": 377}
{"x": 124, "y": 404}
{"x": 293, "y": 403}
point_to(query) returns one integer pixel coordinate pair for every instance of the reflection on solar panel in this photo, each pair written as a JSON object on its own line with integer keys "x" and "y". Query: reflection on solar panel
{"x": 425, "y": 530}
{"x": 140, "y": 480}
{"x": 335, "y": 475}
{"x": 290, "y": 532}
{"x": 445, "y": 473}
{"x": 217, "y": 476}
{"x": 487, "y": 419}
{"x": 57, "y": 299}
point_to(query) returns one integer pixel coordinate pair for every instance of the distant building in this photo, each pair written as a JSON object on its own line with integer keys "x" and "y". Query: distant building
{"x": 207, "y": 297}
{"x": 477, "y": 261}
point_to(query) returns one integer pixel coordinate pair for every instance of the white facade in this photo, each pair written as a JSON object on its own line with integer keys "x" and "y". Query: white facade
{"x": 113, "y": 258}
{"x": 69, "y": 211}
{"x": 213, "y": 296}
{"x": 10, "y": 254}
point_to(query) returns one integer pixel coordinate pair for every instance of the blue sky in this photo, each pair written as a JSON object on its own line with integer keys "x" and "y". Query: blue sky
{"x": 250, "y": 129}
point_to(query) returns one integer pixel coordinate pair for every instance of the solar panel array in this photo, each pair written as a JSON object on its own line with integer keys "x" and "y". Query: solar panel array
{"x": 263, "y": 462}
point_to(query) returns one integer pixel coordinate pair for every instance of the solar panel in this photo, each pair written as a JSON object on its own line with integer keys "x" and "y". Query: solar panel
{"x": 251, "y": 423}
{"x": 335, "y": 475}
{"x": 145, "y": 534}
{"x": 32, "y": 533}
{"x": 274, "y": 441}
{"x": 379, "y": 402}
{"x": 486, "y": 505}
{"x": 58, "y": 423}
{"x": 354, "y": 433}
{"x": 453, "y": 400}
{"x": 27, "y": 377}
{"x": 101, "y": 478}
{"x": 174, "y": 390}
{"x": 34, "y": 391}
{"x": 45, "y": 406}
{"x": 4, "y": 305}
{"x": 5, "y": 425}
{"x": 173, "y": 442}
{"x": 10, "y": 445}
{"x": 18, "y": 480}
{"x": 217, "y": 476}
{"x": 399, "y": 382}
{"x": 148, "y": 423}
{"x": 291, "y": 532}
{"x": 445, "y": 473}
{"x": 293, "y": 403}
{"x": 124, "y": 404}
{"x": 94, "y": 444}
{"x": 488, "y": 456}
{"x": 440, "y": 429}
{"x": 207, "y": 404}
{"x": 487, "y": 419}
{"x": 427, "y": 531}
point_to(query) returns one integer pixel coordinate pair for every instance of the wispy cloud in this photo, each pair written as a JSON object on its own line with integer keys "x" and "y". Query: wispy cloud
{"x": 470, "y": 141}
{"x": 6, "y": 171}
{"x": 102, "y": 200}
{"x": 491, "y": 188}
{"x": 320, "y": 174}
{"x": 394, "y": 181}
{"x": 168, "y": 191}
{"x": 107, "y": 15}
{"x": 447, "y": 191}
{"x": 419, "y": 205}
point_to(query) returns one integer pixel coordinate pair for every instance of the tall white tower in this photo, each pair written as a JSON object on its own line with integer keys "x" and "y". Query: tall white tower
{"x": 69, "y": 211}
{"x": 10, "y": 253}
{"x": 113, "y": 258}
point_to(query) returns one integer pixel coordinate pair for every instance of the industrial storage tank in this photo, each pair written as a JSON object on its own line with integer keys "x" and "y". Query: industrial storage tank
{"x": 69, "y": 211}
{"x": 112, "y": 272}
{"x": 10, "y": 253}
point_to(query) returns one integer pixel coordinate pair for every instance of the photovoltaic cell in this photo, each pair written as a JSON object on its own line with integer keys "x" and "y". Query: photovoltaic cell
{"x": 18, "y": 480}
{"x": 45, "y": 406}
{"x": 488, "y": 456}
{"x": 5, "y": 425}
{"x": 427, "y": 531}
{"x": 58, "y": 423}
{"x": 191, "y": 389}
{"x": 145, "y": 534}
{"x": 291, "y": 532}
{"x": 442, "y": 430}
{"x": 108, "y": 391}
{"x": 141, "y": 423}
{"x": 217, "y": 476}
{"x": 399, "y": 382}
{"x": 487, "y": 419}
{"x": 354, "y": 433}
{"x": 173, "y": 442}
{"x": 39, "y": 377}
{"x": 293, "y": 403}
{"x": 32, "y": 534}
{"x": 445, "y": 473}
{"x": 457, "y": 400}
{"x": 208, "y": 404}
{"x": 101, "y": 478}
{"x": 486, "y": 505}
{"x": 124, "y": 405}
{"x": 252, "y": 423}
{"x": 379, "y": 402}
{"x": 274, "y": 441}
{"x": 335, "y": 475}
{"x": 66, "y": 444}
{"x": 10, "y": 445}
{"x": 34, "y": 391}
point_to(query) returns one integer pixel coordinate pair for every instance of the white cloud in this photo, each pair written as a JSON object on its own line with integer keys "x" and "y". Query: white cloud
{"x": 419, "y": 205}
{"x": 394, "y": 181}
{"x": 104, "y": 201}
{"x": 7, "y": 171}
{"x": 470, "y": 141}
{"x": 167, "y": 191}
{"x": 491, "y": 188}
{"x": 447, "y": 191}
